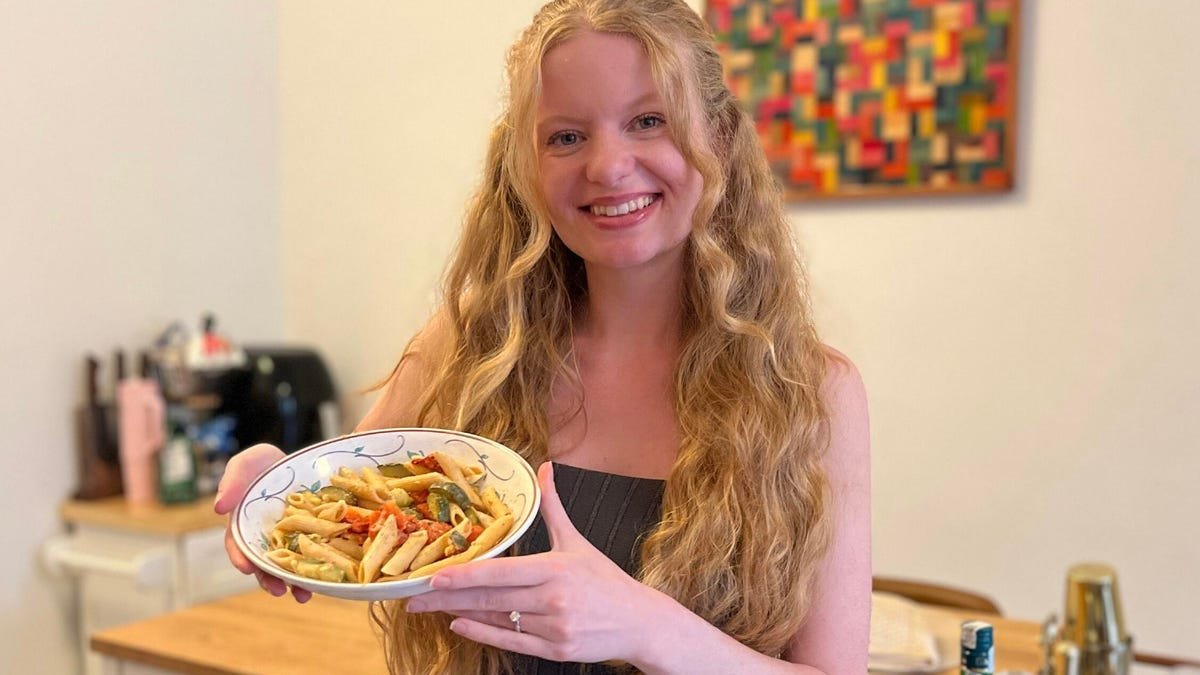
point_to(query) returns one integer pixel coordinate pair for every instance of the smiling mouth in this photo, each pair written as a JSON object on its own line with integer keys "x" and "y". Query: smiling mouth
{"x": 628, "y": 207}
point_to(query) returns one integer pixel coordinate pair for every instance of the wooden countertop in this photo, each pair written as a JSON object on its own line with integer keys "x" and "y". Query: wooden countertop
{"x": 116, "y": 513}
{"x": 253, "y": 634}
{"x": 256, "y": 633}
{"x": 1017, "y": 641}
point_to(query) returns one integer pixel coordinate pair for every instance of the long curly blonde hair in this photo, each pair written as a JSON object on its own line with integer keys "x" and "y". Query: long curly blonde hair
{"x": 744, "y": 513}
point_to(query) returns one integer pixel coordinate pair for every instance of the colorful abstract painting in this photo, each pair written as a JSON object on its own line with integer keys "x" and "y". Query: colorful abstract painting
{"x": 876, "y": 97}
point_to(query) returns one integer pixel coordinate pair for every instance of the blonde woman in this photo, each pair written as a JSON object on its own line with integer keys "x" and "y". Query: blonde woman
{"x": 626, "y": 302}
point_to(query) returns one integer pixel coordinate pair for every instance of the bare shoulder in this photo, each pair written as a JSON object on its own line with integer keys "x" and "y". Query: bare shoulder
{"x": 835, "y": 635}
{"x": 842, "y": 378}
{"x": 845, "y": 398}
{"x": 398, "y": 404}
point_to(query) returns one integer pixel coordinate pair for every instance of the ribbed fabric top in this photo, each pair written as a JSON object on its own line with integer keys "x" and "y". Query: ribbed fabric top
{"x": 614, "y": 513}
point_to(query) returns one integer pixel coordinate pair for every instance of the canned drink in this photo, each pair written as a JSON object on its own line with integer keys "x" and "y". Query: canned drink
{"x": 978, "y": 648}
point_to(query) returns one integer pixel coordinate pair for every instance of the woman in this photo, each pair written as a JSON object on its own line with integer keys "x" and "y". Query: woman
{"x": 626, "y": 301}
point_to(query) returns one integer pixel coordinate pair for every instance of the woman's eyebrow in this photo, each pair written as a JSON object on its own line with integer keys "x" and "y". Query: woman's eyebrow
{"x": 639, "y": 102}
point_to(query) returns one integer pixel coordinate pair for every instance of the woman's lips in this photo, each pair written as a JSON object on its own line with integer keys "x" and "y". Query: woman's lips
{"x": 623, "y": 221}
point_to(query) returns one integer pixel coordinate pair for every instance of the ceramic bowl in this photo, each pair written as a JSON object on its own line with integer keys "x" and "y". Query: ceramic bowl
{"x": 309, "y": 469}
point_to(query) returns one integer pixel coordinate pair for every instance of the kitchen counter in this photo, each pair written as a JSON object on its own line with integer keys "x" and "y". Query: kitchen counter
{"x": 256, "y": 633}
{"x": 126, "y": 563}
{"x": 115, "y": 513}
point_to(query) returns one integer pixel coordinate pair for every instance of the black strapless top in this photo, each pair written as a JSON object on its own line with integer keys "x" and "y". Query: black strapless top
{"x": 614, "y": 513}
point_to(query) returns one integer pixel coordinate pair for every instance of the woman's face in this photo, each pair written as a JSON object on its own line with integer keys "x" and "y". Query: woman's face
{"x": 620, "y": 193}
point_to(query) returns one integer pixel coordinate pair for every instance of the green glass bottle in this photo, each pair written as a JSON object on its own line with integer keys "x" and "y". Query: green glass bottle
{"x": 177, "y": 468}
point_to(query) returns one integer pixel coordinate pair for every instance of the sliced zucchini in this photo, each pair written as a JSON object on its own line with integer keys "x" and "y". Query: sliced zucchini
{"x": 401, "y": 497}
{"x": 458, "y": 541}
{"x": 317, "y": 569}
{"x": 333, "y": 493}
{"x": 455, "y": 493}
{"x": 394, "y": 470}
{"x": 439, "y": 506}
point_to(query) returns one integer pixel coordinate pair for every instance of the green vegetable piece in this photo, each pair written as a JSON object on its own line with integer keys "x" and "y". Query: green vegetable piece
{"x": 293, "y": 543}
{"x": 411, "y": 512}
{"x": 452, "y": 491}
{"x": 394, "y": 470}
{"x": 333, "y": 493}
{"x": 455, "y": 493}
{"x": 401, "y": 497}
{"x": 458, "y": 541}
{"x": 323, "y": 571}
{"x": 439, "y": 506}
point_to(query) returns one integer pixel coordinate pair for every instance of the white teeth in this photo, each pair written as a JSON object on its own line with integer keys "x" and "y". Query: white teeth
{"x": 622, "y": 209}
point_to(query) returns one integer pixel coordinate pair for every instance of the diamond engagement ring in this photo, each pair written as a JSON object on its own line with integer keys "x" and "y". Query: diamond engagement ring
{"x": 515, "y": 617}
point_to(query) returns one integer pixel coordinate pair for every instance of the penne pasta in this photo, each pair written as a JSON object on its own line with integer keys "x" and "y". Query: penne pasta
{"x": 284, "y": 558}
{"x": 454, "y": 472}
{"x": 432, "y": 567}
{"x": 351, "y": 548}
{"x": 417, "y": 483}
{"x": 386, "y": 541}
{"x": 374, "y": 480}
{"x": 493, "y": 533}
{"x": 492, "y": 503}
{"x": 303, "y": 500}
{"x": 436, "y": 549}
{"x": 312, "y": 525}
{"x": 402, "y": 559}
{"x": 326, "y": 553}
{"x": 472, "y": 471}
{"x": 348, "y": 481}
{"x": 333, "y": 511}
{"x": 392, "y": 528}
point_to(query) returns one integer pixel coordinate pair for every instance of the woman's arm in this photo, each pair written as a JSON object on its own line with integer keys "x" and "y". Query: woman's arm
{"x": 834, "y": 637}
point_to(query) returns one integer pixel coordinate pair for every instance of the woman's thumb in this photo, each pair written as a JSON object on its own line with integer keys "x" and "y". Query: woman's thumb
{"x": 558, "y": 524}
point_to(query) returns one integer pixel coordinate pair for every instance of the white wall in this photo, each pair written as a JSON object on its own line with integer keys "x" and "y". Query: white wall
{"x": 1028, "y": 356}
{"x": 138, "y": 185}
{"x": 1031, "y": 358}
{"x": 385, "y": 109}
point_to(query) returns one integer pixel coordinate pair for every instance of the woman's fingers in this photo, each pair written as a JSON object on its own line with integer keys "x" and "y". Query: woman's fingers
{"x": 527, "y": 642}
{"x": 536, "y": 624}
{"x": 270, "y": 584}
{"x": 480, "y": 599}
{"x": 243, "y": 468}
{"x": 524, "y": 570}
{"x": 235, "y": 554}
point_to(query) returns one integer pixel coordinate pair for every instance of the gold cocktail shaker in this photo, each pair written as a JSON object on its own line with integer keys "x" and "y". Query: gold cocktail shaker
{"x": 1092, "y": 639}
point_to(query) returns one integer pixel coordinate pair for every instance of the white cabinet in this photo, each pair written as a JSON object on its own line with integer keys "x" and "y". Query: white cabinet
{"x": 130, "y": 564}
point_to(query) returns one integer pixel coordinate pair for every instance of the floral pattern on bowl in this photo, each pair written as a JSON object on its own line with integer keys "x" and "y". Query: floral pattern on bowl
{"x": 309, "y": 469}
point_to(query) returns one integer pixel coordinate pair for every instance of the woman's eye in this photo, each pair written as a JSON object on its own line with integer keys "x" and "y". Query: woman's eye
{"x": 564, "y": 138}
{"x": 649, "y": 121}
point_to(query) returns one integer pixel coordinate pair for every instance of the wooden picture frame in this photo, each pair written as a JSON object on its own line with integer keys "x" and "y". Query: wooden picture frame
{"x": 876, "y": 98}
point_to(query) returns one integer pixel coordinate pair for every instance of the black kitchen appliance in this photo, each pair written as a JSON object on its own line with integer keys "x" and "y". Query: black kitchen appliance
{"x": 283, "y": 396}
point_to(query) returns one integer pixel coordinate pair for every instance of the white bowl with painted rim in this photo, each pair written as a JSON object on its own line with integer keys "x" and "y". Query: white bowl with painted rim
{"x": 310, "y": 468}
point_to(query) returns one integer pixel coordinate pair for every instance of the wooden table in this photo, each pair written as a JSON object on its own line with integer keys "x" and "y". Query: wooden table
{"x": 256, "y": 633}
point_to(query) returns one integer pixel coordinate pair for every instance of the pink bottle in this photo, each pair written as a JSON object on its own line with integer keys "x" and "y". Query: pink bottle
{"x": 141, "y": 432}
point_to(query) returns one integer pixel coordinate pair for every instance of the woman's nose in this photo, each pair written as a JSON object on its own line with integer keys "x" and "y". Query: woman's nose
{"x": 610, "y": 160}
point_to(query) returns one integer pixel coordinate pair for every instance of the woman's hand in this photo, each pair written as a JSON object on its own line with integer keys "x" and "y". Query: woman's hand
{"x": 575, "y": 604}
{"x": 241, "y": 470}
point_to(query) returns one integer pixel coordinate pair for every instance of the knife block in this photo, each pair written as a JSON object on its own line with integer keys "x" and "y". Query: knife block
{"x": 99, "y": 468}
